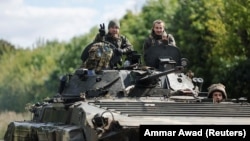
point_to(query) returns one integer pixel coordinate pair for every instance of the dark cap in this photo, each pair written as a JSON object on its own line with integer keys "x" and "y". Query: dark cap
{"x": 113, "y": 23}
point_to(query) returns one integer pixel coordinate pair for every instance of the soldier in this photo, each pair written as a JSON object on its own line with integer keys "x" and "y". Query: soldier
{"x": 217, "y": 92}
{"x": 158, "y": 36}
{"x": 121, "y": 43}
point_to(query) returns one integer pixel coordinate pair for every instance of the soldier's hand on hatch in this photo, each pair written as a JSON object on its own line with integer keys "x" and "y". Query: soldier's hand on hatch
{"x": 102, "y": 30}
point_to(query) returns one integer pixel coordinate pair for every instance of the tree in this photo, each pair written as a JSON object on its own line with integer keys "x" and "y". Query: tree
{"x": 237, "y": 48}
{"x": 197, "y": 27}
{"x": 5, "y": 47}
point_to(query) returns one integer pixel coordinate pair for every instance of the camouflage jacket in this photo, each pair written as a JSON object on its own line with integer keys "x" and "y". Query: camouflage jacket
{"x": 156, "y": 40}
{"x": 121, "y": 42}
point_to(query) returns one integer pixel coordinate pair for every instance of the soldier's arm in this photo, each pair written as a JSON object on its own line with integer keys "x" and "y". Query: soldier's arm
{"x": 98, "y": 38}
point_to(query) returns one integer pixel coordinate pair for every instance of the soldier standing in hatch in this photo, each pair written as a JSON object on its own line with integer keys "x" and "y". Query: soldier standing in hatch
{"x": 217, "y": 92}
{"x": 158, "y": 36}
{"x": 122, "y": 44}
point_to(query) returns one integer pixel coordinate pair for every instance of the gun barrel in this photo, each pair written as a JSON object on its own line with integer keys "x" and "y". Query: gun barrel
{"x": 157, "y": 75}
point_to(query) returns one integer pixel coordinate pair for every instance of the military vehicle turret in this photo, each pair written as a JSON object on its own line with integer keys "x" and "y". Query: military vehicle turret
{"x": 110, "y": 104}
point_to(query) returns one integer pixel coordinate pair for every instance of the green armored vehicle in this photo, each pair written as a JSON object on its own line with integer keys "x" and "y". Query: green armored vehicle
{"x": 110, "y": 104}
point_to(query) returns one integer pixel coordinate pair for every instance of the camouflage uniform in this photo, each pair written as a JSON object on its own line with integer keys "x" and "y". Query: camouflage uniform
{"x": 120, "y": 42}
{"x": 156, "y": 40}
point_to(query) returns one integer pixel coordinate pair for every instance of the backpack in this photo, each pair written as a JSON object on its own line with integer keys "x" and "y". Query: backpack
{"x": 99, "y": 56}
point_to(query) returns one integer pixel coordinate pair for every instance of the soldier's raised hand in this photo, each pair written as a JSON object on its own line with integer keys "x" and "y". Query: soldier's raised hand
{"x": 102, "y": 30}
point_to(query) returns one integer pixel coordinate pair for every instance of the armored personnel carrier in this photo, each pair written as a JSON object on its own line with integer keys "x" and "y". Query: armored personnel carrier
{"x": 110, "y": 104}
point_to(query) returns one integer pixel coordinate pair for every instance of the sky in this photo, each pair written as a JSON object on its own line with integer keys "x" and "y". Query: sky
{"x": 24, "y": 22}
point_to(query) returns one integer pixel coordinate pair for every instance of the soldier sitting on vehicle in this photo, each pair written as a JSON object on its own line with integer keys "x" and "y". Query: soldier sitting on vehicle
{"x": 122, "y": 46}
{"x": 217, "y": 92}
{"x": 107, "y": 49}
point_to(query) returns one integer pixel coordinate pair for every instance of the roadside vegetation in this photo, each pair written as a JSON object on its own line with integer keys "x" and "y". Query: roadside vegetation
{"x": 7, "y": 117}
{"x": 214, "y": 35}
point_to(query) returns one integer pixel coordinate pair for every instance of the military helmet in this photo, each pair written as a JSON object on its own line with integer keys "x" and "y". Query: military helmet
{"x": 113, "y": 23}
{"x": 217, "y": 87}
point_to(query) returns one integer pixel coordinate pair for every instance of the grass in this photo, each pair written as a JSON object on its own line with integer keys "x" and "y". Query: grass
{"x": 9, "y": 116}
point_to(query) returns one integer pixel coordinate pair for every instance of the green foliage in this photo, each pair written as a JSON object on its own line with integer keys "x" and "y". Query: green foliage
{"x": 197, "y": 28}
{"x": 233, "y": 51}
{"x": 24, "y": 74}
{"x": 5, "y": 47}
{"x": 28, "y": 76}
{"x": 158, "y": 9}
{"x": 213, "y": 35}
{"x": 237, "y": 19}
{"x": 133, "y": 28}
{"x": 232, "y": 46}
{"x": 238, "y": 80}
{"x": 70, "y": 59}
